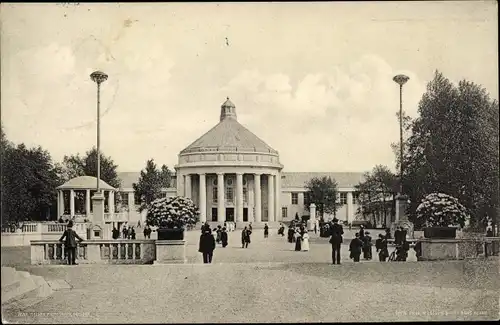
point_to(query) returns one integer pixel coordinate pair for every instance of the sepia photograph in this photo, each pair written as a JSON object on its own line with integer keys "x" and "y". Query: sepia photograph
{"x": 249, "y": 162}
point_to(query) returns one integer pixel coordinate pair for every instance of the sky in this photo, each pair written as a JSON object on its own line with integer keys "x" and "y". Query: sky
{"x": 313, "y": 80}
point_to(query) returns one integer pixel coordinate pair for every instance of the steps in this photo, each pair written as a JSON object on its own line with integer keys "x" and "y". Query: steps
{"x": 20, "y": 285}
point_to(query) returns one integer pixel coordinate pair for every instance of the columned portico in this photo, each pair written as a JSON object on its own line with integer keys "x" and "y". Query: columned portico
{"x": 221, "y": 204}
{"x": 270, "y": 198}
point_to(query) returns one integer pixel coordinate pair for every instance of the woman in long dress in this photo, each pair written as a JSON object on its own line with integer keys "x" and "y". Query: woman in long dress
{"x": 298, "y": 241}
{"x": 305, "y": 242}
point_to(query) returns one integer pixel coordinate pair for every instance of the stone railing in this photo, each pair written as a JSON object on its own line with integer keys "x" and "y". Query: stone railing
{"x": 40, "y": 231}
{"x": 117, "y": 216}
{"x": 95, "y": 252}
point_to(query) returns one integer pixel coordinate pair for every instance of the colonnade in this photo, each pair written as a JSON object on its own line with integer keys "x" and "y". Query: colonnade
{"x": 185, "y": 188}
{"x": 88, "y": 202}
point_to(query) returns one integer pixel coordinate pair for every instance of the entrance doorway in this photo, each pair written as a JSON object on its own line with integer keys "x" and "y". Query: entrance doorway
{"x": 245, "y": 214}
{"x": 230, "y": 214}
{"x": 214, "y": 214}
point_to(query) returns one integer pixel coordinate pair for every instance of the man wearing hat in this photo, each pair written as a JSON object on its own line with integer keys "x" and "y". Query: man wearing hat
{"x": 336, "y": 240}
{"x": 69, "y": 238}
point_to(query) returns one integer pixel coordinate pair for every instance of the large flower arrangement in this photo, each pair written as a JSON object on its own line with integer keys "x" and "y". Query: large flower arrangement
{"x": 174, "y": 212}
{"x": 441, "y": 210}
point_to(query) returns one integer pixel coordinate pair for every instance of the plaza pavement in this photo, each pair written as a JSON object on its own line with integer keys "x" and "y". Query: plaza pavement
{"x": 267, "y": 282}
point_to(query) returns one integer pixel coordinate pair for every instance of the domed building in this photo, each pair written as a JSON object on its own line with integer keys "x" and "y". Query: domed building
{"x": 230, "y": 173}
{"x": 233, "y": 175}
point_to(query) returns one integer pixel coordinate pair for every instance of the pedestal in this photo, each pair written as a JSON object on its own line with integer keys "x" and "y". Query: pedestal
{"x": 170, "y": 252}
{"x": 439, "y": 249}
{"x": 312, "y": 219}
{"x": 401, "y": 216}
{"x": 98, "y": 216}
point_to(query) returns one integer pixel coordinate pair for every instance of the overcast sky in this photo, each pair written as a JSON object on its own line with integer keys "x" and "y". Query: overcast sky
{"x": 313, "y": 80}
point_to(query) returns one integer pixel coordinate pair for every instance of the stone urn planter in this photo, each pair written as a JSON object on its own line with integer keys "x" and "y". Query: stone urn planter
{"x": 170, "y": 234}
{"x": 440, "y": 232}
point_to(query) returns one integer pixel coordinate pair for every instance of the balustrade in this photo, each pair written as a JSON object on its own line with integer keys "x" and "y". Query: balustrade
{"x": 95, "y": 252}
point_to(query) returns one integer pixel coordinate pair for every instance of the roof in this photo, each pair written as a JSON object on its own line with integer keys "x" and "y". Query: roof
{"x": 85, "y": 182}
{"x": 288, "y": 179}
{"x": 229, "y": 135}
{"x": 299, "y": 179}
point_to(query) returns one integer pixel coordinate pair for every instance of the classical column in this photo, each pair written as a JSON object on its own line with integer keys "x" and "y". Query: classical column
{"x": 203, "y": 198}
{"x": 270, "y": 198}
{"x": 111, "y": 201}
{"x": 59, "y": 206}
{"x": 87, "y": 203}
{"x": 131, "y": 201}
{"x": 277, "y": 195}
{"x": 187, "y": 189}
{"x": 251, "y": 199}
{"x": 349, "y": 210}
{"x": 72, "y": 203}
{"x": 239, "y": 197}
{"x": 62, "y": 202}
{"x": 221, "y": 210}
{"x": 257, "y": 195}
{"x": 178, "y": 180}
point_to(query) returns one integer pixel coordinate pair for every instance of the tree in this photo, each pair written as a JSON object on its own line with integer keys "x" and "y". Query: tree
{"x": 453, "y": 148}
{"x": 150, "y": 184}
{"x": 376, "y": 194}
{"x": 29, "y": 181}
{"x": 75, "y": 165}
{"x": 323, "y": 193}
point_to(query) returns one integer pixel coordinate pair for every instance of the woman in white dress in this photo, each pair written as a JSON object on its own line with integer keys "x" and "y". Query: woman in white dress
{"x": 305, "y": 242}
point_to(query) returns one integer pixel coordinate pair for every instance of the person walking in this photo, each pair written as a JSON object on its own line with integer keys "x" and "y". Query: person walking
{"x": 223, "y": 237}
{"x": 381, "y": 247}
{"x": 69, "y": 238}
{"x": 115, "y": 233}
{"x": 245, "y": 237}
{"x": 336, "y": 240}
{"x": 305, "y": 242}
{"x": 266, "y": 231}
{"x": 132, "y": 233}
{"x": 367, "y": 246}
{"x": 124, "y": 232}
{"x": 298, "y": 240}
{"x": 207, "y": 246}
{"x": 361, "y": 232}
{"x": 355, "y": 248}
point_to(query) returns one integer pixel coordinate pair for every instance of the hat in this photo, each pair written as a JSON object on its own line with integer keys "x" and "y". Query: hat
{"x": 335, "y": 220}
{"x": 70, "y": 224}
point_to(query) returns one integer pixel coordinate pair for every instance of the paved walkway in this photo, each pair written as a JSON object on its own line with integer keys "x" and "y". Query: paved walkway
{"x": 267, "y": 282}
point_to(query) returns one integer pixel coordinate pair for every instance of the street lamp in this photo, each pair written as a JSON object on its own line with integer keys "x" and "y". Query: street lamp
{"x": 401, "y": 79}
{"x": 98, "y": 77}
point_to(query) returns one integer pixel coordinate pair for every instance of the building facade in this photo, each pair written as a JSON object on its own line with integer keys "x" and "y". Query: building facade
{"x": 232, "y": 175}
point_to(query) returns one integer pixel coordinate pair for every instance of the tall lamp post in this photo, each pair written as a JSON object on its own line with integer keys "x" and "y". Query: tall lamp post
{"x": 401, "y": 79}
{"x": 98, "y": 77}
{"x": 99, "y": 230}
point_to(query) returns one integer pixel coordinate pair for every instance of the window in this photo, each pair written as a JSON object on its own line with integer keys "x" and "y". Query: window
{"x": 284, "y": 213}
{"x": 245, "y": 195}
{"x": 295, "y": 198}
{"x": 343, "y": 198}
{"x": 229, "y": 194}
{"x": 124, "y": 197}
{"x": 214, "y": 195}
{"x": 355, "y": 197}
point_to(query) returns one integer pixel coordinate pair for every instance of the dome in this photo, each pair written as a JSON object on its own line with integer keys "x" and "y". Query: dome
{"x": 229, "y": 135}
{"x": 85, "y": 182}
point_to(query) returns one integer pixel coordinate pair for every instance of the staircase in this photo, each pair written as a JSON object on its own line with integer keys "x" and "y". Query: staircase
{"x": 21, "y": 286}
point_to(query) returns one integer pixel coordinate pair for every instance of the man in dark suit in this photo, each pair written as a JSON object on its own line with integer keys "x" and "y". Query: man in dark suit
{"x": 336, "y": 240}
{"x": 69, "y": 238}
{"x": 207, "y": 246}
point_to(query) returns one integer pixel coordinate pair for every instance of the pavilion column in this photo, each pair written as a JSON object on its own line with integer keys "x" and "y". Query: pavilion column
{"x": 72, "y": 203}
{"x": 239, "y": 197}
{"x": 277, "y": 195}
{"x": 349, "y": 210}
{"x": 258, "y": 201}
{"x": 60, "y": 208}
{"x": 203, "y": 198}
{"x": 111, "y": 202}
{"x": 251, "y": 199}
{"x": 221, "y": 205}
{"x": 187, "y": 189}
{"x": 270, "y": 198}
{"x": 87, "y": 203}
{"x": 179, "y": 180}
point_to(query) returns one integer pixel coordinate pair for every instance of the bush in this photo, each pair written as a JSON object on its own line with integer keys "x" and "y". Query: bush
{"x": 174, "y": 212}
{"x": 441, "y": 210}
